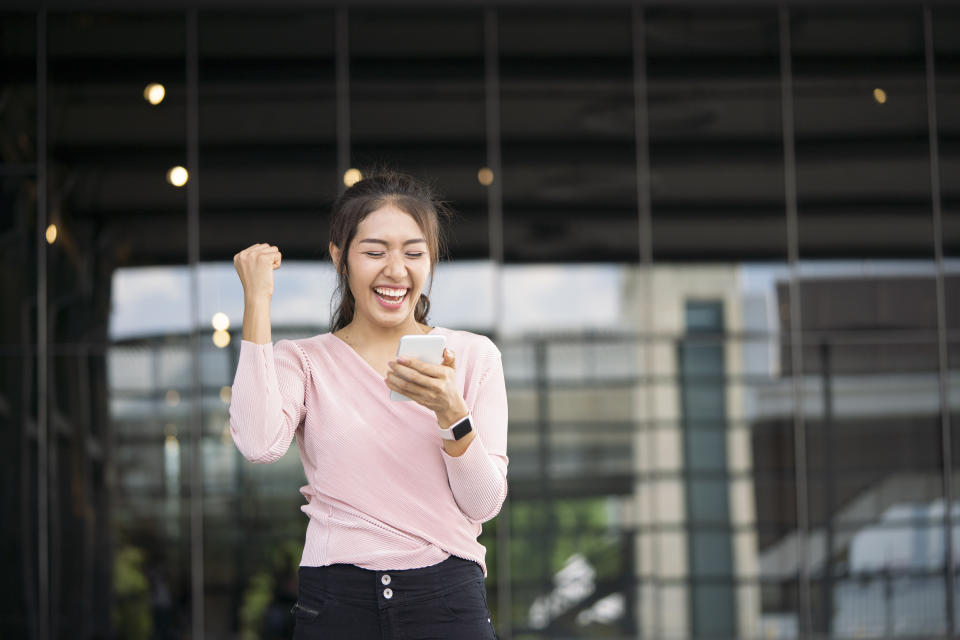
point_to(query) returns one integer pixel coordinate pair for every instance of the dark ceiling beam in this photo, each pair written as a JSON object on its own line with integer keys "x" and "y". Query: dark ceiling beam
{"x": 458, "y": 70}
{"x": 523, "y": 151}
{"x": 537, "y": 212}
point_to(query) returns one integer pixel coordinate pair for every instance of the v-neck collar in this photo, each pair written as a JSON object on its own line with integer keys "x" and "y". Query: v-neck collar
{"x": 359, "y": 357}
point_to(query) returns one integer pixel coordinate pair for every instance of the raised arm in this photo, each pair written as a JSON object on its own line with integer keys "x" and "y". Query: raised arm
{"x": 267, "y": 402}
{"x": 255, "y": 266}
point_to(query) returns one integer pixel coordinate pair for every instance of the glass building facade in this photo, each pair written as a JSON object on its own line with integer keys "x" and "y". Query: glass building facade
{"x": 718, "y": 247}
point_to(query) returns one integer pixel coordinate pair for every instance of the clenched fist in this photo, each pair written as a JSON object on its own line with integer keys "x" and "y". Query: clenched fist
{"x": 255, "y": 266}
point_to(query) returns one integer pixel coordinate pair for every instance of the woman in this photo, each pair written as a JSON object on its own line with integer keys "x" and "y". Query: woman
{"x": 396, "y": 491}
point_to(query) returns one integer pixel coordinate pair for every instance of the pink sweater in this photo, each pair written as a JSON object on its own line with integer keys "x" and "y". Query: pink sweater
{"x": 381, "y": 491}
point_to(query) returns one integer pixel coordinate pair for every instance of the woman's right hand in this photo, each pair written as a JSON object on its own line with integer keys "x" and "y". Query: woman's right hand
{"x": 255, "y": 266}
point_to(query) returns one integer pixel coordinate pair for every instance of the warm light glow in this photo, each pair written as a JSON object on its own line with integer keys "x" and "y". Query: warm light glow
{"x": 880, "y": 95}
{"x": 154, "y": 93}
{"x": 221, "y": 338}
{"x": 172, "y": 445}
{"x": 51, "y": 234}
{"x": 177, "y": 176}
{"x": 352, "y": 177}
{"x": 173, "y": 398}
{"x": 225, "y": 394}
{"x": 221, "y": 322}
{"x": 485, "y": 176}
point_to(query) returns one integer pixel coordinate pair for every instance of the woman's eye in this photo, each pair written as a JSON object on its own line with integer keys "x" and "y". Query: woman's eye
{"x": 374, "y": 254}
{"x": 414, "y": 254}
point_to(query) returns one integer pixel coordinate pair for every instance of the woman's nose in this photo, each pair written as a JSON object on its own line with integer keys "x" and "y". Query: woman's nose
{"x": 396, "y": 268}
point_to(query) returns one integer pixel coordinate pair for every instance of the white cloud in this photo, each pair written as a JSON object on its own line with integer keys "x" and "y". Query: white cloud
{"x": 571, "y": 297}
{"x": 561, "y": 297}
{"x": 149, "y": 301}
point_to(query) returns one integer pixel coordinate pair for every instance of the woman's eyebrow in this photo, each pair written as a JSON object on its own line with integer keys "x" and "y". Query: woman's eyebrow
{"x": 385, "y": 243}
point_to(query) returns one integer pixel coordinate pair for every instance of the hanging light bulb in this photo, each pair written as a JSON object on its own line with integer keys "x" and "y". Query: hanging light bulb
{"x": 177, "y": 176}
{"x": 352, "y": 177}
{"x": 154, "y": 93}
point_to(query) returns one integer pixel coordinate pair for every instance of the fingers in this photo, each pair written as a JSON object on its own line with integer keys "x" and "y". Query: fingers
{"x": 432, "y": 370}
{"x": 412, "y": 390}
{"x": 413, "y": 376}
{"x": 260, "y": 252}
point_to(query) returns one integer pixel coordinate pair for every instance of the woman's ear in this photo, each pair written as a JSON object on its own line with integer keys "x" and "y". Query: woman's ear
{"x": 335, "y": 256}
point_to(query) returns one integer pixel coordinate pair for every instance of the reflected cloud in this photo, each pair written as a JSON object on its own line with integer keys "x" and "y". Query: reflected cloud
{"x": 562, "y": 297}
{"x": 155, "y": 300}
{"x": 149, "y": 301}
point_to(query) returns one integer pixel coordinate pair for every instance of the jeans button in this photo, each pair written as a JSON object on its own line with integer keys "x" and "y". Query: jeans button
{"x": 388, "y": 593}
{"x": 385, "y": 579}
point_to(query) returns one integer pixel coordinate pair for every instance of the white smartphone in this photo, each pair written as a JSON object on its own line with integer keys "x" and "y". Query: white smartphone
{"x": 428, "y": 348}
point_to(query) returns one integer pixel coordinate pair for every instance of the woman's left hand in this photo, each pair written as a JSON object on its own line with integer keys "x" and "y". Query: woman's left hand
{"x": 432, "y": 385}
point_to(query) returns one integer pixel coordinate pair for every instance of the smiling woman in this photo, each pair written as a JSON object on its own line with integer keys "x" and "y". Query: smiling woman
{"x": 397, "y": 492}
{"x": 385, "y": 204}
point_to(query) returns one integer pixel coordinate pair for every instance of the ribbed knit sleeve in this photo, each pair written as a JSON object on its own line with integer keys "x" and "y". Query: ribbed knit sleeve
{"x": 267, "y": 399}
{"x": 478, "y": 477}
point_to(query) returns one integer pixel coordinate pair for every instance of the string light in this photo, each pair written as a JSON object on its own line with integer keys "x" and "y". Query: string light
{"x": 352, "y": 177}
{"x": 485, "y": 176}
{"x": 220, "y": 321}
{"x": 177, "y": 176}
{"x": 221, "y": 338}
{"x": 154, "y": 93}
{"x": 51, "y": 234}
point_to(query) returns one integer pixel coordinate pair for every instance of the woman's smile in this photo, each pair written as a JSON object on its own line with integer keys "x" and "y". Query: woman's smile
{"x": 391, "y": 297}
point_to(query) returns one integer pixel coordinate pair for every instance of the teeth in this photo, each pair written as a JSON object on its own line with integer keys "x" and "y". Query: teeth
{"x": 392, "y": 293}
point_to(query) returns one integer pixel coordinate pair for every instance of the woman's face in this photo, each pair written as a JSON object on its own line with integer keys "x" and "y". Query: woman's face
{"x": 388, "y": 266}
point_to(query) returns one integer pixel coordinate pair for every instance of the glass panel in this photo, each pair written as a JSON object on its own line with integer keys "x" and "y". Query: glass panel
{"x": 18, "y": 379}
{"x": 870, "y": 367}
{"x": 861, "y": 126}
{"x": 18, "y": 332}
{"x": 716, "y": 144}
{"x": 871, "y": 409}
{"x": 18, "y": 37}
{"x": 719, "y": 404}
{"x": 119, "y": 314}
{"x": 569, "y": 575}
{"x": 572, "y": 368}
{"x": 946, "y": 26}
{"x": 568, "y": 135}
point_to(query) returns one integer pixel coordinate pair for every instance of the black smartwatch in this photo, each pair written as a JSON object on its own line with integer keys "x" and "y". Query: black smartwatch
{"x": 458, "y": 430}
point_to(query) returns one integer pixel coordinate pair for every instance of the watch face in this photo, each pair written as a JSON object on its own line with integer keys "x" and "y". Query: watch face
{"x": 462, "y": 429}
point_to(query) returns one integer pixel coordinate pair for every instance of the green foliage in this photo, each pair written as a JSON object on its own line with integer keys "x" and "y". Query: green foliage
{"x": 256, "y": 598}
{"x": 544, "y": 536}
{"x": 132, "y": 617}
{"x": 285, "y": 559}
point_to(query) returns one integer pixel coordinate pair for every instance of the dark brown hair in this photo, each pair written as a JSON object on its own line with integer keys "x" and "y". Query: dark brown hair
{"x": 366, "y": 196}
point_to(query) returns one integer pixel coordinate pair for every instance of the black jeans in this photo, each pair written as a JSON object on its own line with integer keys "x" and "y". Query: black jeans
{"x": 447, "y": 601}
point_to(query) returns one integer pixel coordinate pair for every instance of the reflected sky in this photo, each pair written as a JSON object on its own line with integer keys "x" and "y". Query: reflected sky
{"x": 150, "y": 301}
{"x": 156, "y": 300}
